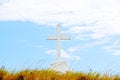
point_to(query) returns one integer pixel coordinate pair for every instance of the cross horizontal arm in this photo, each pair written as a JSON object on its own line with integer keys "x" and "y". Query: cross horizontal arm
{"x": 56, "y": 38}
{"x": 65, "y": 37}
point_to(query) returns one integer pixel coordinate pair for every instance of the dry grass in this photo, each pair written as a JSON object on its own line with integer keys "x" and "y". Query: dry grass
{"x": 52, "y": 75}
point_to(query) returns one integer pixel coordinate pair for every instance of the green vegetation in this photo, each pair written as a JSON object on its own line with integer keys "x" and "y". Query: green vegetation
{"x": 53, "y": 75}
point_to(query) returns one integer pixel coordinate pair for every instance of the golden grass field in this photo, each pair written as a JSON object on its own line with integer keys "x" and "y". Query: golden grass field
{"x": 53, "y": 75}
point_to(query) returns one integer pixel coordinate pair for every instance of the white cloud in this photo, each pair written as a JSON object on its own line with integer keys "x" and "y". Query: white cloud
{"x": 97, "y": 30}
{"x": 3, "y": 2}
{"x": 51, "y": 51}
{"x": 87, "y": 19}
{"x": 73, "y": 49}
{"x": 114, "y": 48}
{"x": 100, "y": 17}
{"x": 116, "y": 53}
{"x": 71, "y": 12}
{"x": 96, "y": 43}
{"x": 64, "y": 54}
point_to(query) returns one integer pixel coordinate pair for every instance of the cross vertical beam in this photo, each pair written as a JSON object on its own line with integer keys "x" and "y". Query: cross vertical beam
{"x": 58, "y": 42}
{"x": 58, "y": 37}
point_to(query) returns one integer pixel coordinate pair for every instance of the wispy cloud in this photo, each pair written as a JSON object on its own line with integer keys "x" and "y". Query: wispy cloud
{"x": 23, "y": 41}
{"x": 65, "y": 54}
{"x": 97, "y": 43}
{"x": 114, "y": 48}
{"x": 30, "y": 44}
{"x": 73, "y": 49}
{"x": 3, "y": 2}
{"x": 50, "y": 51}
{"x": 39, "y": 46}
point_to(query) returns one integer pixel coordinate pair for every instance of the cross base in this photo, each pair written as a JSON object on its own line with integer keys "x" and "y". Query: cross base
{"x": 60, "y": 66}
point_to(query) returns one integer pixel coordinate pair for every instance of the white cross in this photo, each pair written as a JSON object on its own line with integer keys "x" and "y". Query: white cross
{"x": 58, "y": 38}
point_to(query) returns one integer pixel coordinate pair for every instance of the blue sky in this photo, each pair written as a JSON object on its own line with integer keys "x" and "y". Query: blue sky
{"x": 92, "y": 25}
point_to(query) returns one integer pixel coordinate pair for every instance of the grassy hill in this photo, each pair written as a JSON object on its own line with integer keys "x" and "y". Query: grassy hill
{"x": 53, "y": 75}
